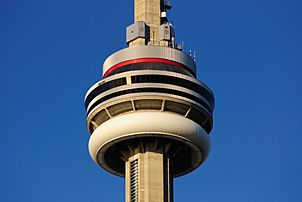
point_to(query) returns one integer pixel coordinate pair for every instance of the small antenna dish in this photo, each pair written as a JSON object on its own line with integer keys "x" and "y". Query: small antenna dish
{"x": 179, "y": 47}
{"x": 168, "y": 5}
{"x": 194, "y": 56}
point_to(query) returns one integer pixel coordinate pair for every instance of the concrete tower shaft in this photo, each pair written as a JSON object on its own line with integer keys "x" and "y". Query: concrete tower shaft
{"x": 148, "y": 11}
{"x": 150, "y": 24}
{"x": 149, "y": 117}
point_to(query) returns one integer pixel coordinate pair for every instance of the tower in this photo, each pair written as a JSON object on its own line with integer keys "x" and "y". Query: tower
{"x": 149, "y": 117}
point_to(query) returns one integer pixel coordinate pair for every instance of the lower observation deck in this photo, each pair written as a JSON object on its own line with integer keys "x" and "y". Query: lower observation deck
{"x": 115, "y": 141}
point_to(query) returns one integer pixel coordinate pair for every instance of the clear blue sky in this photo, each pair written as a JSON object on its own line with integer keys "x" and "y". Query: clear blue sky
{"x": 248, "y": 52}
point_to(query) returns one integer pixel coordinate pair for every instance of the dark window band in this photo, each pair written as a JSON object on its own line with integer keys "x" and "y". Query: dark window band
{"x": 174, "y": 81}
{"x": 150, "y": 90}
{"x": 104, "y": 87}
{"x": 151, "y": 79}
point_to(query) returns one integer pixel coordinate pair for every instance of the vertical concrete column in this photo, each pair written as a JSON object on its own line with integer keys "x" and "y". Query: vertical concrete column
{"x": 149, "y": 11}
{"x": 153, "y": 182}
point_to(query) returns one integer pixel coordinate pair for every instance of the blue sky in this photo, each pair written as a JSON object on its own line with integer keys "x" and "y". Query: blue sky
{"x": 248, "y": 52}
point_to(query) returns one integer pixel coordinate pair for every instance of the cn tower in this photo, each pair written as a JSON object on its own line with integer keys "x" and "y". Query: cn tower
{"x": 149, "y": 117}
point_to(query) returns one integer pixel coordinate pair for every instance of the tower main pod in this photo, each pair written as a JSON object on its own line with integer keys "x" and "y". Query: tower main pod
{"x": 149, "y": 117}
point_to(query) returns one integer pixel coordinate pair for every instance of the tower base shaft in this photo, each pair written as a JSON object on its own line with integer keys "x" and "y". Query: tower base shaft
{"x": 149, "y": 178}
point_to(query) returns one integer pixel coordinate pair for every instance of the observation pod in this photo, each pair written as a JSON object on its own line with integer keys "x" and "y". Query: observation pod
{"x": 149, "y": 117}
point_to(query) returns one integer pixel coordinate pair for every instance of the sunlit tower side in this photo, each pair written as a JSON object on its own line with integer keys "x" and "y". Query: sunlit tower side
{"x": 149, "y": 117}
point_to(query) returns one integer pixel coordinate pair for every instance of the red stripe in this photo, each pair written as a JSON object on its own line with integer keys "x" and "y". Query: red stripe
{"x": 144, "y": 60}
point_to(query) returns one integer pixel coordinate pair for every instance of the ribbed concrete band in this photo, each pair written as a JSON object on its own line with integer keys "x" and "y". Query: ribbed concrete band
{"x": 139, "y": 52}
